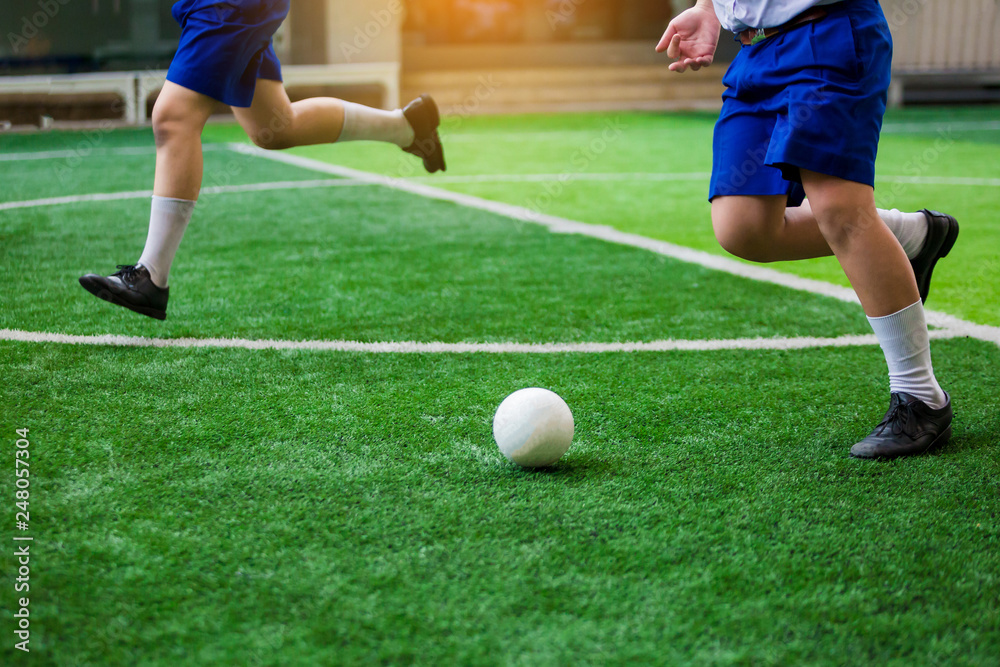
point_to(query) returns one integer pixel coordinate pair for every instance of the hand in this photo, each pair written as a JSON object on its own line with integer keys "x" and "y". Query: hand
{"x": 691, "y": 39}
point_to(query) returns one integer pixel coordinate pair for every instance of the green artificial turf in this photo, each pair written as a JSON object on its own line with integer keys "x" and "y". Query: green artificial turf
{"x": 213, "y": 507}
{"x": 261, "y": 507}
{"x": 366, "y": 263}
{"x": 615, "y": 143}
{"x": 37, "y": 179}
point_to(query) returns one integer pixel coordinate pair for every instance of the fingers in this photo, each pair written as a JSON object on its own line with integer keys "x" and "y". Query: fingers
{"x": 694, "y": 64}
{"x": 667, "y": 37}
{"x": 674, "y": 48}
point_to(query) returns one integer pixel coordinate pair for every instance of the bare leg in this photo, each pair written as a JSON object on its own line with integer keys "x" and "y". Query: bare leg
{"x": 868, "y": 252}
{"x": 179, "y": 117}
{"x": 761, "y": 229}
{"x": 272, "y": 121}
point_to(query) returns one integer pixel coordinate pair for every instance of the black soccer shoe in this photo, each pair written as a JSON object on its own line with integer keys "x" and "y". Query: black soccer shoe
{"x": 130, "y": 287}
{"x": 942, "y": 230}
{"x": 422, "y": 114}
{"x": 909, "y": 427}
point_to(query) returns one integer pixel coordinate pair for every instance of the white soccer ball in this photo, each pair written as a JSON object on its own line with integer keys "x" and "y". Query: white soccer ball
{"x": 533, "y": 427}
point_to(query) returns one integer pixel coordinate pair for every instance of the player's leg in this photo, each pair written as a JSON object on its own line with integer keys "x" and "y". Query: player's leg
{"x": 870, "y": 255}
{"x": 920, "y": 412}
{"x": 272, "y": 121}
{"x": 763, "y": 229}
{"x": 179, "y": 116}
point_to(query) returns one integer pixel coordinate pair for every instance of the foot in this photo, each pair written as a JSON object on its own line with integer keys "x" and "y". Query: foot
{"x": 422, "y": 114}
{"x": 942, "y": 230}
{"x": 130, "y": 287}
{"x": 909, "y": 427}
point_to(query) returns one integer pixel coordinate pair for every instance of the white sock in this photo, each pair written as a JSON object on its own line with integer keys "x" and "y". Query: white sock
{"x": 168, "y": 218}
{"x": 907, "y": 347}
{"x": 366, "y": 124}
{"x": 910, "y": 229}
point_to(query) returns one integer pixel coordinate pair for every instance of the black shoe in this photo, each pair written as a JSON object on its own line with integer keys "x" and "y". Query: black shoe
{"x": 130, "y": 287}
{"x": 422, "y": 114}
{"x": 942, "y": 230}
{"x": 909, "y": 427}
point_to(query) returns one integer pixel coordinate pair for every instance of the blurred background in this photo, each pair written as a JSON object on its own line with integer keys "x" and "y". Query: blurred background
{"x": 76, "y": 61}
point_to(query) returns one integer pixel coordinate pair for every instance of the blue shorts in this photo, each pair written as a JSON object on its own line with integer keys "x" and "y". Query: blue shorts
{"x": 811, "y": 98}
{"x": 226, "y": 46}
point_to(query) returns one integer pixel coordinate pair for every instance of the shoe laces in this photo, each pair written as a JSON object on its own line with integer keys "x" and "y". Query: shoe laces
{"x": 127, "y": 272}
{"x": 902, "y": 417}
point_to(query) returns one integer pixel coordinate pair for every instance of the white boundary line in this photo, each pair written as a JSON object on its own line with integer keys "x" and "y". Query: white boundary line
{"x": 215, "y": 190}
{"x": 949, "y": 326}
{"x": 85, "y": 151}
{"x": 482, "y": 178}
{"x": 563, "y": 226}
{"x": 413, "y": 347}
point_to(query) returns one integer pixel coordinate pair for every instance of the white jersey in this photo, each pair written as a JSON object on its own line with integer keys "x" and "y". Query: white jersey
{"x": 738, "y": 15}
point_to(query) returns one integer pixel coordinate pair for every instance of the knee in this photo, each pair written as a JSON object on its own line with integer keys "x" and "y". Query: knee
{"x": 747, "y": 237}
{"x": 839, "y": 221}
{"x": 269, "y": 139}
{"x": 170, "y": 121}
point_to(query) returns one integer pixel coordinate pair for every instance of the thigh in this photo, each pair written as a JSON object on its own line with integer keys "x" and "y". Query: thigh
{"x": 178, "y": 104}
{"x": 751, "y": 215}
{"x": 270, "y": 112}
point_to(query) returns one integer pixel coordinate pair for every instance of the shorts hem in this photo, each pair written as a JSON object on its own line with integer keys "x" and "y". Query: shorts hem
{"x": 197, "y": 83}
{"x": 790, "y": 163}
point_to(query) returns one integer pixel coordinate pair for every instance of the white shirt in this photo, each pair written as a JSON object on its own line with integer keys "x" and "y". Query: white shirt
{"x": 738, "y": 15}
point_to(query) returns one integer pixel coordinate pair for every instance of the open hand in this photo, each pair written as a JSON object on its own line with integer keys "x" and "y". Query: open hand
{"x": 691, "y": 39}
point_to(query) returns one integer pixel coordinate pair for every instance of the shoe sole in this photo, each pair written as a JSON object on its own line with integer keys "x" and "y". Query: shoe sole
{"x": 950, "y": 237}
{"x": 109, "y": 296}
{"x": 939, "y": 441}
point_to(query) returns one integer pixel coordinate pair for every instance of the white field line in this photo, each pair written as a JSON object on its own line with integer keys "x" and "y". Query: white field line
{"x": 949, "y": 326}
{"x": 496, "y": 178}
{"x": 85, "y": 151}
{"x": 667, "y": 177}
{"x": 563, "y": 226}
{"x": 215, "y": 190}
{"x": 410, "y": 347}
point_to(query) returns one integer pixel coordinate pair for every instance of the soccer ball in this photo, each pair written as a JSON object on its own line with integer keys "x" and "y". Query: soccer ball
{"x": 533, "y": 427}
